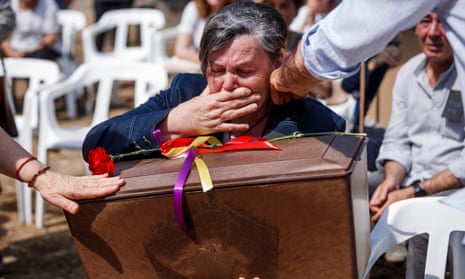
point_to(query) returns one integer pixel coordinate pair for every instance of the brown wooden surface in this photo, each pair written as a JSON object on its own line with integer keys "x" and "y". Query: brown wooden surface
{"x": 297, "y": 213}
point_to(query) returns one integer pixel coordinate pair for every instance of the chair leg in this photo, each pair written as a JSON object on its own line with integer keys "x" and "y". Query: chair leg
{"x": 39, "y": 211}
{"x": 42, "y": 155}
{"x": 458, "y": 255}
{"x": 71, "y": 105}
{"x": 20, "y": 202}
{"x": 436, "y": 258}
{"x": 23, "y": 198}
{"x": 27, "y": 193}
{"x": 68, "y": 66}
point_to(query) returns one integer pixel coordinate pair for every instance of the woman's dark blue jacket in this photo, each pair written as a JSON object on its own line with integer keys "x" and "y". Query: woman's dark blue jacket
{"x": 133, "y": 130}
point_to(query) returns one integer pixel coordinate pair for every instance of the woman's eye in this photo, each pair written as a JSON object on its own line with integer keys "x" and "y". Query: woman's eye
{"x": 216, "y": 71}
{"x": 245, "y": 72}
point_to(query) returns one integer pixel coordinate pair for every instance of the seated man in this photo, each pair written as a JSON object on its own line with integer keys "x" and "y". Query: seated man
{"x": 420, "y": 153}
{"x": 37, "y": 31}
{"x": 240, "y": 47}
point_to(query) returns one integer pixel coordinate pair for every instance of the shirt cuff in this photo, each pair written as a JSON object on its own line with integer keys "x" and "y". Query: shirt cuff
{"x": 458, "y": 169}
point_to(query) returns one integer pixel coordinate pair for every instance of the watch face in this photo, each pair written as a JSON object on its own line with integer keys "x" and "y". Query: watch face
{"x": 419, "y": 192}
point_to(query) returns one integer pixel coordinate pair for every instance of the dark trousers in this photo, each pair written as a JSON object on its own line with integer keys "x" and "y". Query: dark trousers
{"x": 416, "y": 257}
{"x": 45, "y": 53}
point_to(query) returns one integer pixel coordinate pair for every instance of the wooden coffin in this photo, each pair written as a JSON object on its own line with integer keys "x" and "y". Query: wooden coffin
{"x": 301, "y": 212}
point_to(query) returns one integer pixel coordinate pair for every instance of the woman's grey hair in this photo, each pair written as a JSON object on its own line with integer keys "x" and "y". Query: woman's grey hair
{"x": 260, "y": 21}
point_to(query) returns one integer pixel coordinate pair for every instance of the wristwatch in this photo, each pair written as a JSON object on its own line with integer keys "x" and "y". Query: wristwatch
{"x": 419, "y": 192}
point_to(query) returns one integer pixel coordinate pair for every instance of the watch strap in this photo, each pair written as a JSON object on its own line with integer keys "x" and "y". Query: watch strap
{"x": 419, "y": 192}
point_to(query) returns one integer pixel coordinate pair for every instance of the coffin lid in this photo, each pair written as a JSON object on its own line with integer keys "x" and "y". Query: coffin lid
{"x": 300, "y": 159}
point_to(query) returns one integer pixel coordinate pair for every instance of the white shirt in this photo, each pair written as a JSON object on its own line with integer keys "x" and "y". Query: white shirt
{"x": 31, "y": 25}
{"x": 192, "y": 23}
{"x": 358, "y": 29}
{"x": 419, "y": 136}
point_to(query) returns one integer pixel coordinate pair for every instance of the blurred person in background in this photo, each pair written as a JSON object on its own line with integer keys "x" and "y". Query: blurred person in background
{"x": 288, "y": 10}
{"x": 425, "y": 134}
{"x": 36, "y": 34}
{"x": 190, "y": 29}
{"x": 311, "y": 13}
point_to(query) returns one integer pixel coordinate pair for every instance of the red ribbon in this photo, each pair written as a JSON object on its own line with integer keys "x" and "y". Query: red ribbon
{"x": 241, "y": 143}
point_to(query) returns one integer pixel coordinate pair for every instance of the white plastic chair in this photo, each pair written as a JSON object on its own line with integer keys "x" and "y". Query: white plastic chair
{"x": 160, "y": 40}
{"x": 71, "y": 22}
{"x": 39, "y": 73}
{"x": 149, "y": 79}
{"x": 410, "y": 217}
{"x": 149, "y": 20}
{"x": 172, "y": 64}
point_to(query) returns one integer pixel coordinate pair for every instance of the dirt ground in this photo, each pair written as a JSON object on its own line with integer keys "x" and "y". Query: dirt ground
{"x": 49, "y": 252}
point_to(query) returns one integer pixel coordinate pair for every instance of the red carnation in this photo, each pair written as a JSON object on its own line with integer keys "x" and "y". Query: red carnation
{"x": 100, "y": 162}
{"x": 179, "y": 142}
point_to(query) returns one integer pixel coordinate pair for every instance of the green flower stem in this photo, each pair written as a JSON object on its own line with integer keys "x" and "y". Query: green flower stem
{"x": 302, "y": 135}
{"x": 118, "y": 157}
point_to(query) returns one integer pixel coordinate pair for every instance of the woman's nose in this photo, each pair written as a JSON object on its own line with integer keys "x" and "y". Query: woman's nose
{"x": 230, "y": 82}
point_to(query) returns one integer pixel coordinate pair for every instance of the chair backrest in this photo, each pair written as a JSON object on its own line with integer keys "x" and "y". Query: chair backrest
{"x": 172, "y": 63}
{"x": 411, "y": 217}
{"x": 149, "y": 20}
{"x": 160, "y": 39}
{"x": 39, "y": 73}
{"x": 71, "y": 22}
{"x": 149, "y": 78}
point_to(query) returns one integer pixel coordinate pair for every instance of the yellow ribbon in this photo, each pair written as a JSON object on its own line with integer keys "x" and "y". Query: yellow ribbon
{"x": 202, "y": 168}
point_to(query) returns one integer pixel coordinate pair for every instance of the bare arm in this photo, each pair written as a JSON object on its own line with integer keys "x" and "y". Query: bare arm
{"x": 47, "y": 42}
{"x": 183, "y": 49}
{"x": 9, "y": 52}
{"x": 12, "y": 154}
{"x": 292, "y": 78}
{"x": 210, "y": 113}
{"x": 442, "y": 181}
{"x": 59, "y": 189}
{"x": 394, "y": 173}
{"x": 388, "y": 191}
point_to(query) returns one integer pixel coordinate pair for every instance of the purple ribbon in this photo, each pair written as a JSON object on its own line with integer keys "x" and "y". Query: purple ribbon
{"x": 178, "y": 189}
{"x": 157, "y": 136}
{"x": 191, "y": 153}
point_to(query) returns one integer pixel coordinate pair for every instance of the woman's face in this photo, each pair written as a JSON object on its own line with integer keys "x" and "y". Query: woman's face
{"x": 242, "y": 62}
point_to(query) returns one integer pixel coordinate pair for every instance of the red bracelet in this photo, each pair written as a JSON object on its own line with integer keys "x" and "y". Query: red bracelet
{"x": 39, "y": 173}
{"x": 22, "y": 165}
